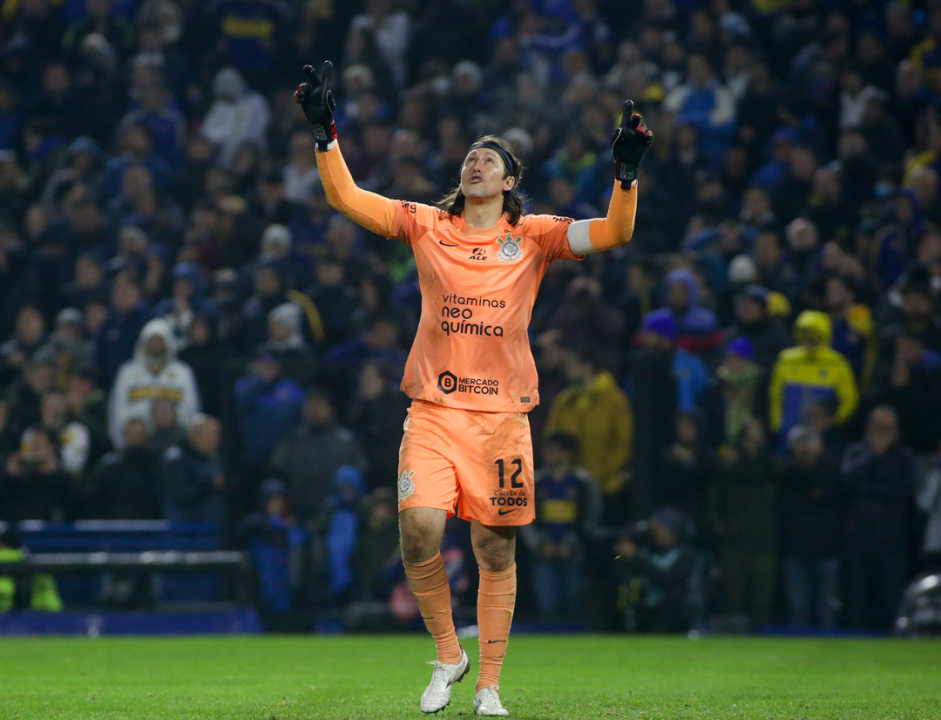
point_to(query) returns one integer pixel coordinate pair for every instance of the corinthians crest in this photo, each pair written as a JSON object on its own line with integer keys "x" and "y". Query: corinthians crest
{"x": 406, "y": 484}
{"x": 510, "y": 250}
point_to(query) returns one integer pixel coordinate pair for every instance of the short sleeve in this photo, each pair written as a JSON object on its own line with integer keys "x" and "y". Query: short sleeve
{"x": 551, "y": 233}
{"x": 412, "y": 220}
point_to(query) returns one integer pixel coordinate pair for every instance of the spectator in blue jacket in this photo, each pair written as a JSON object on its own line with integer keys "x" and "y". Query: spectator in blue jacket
{"x": 118, "y": 334}
{"x": 697, "y": 329}
{"x": 268, "y": 405}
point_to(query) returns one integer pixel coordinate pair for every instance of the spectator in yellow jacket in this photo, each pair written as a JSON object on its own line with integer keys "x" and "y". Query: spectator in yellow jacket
{"x": 809, "y": 372}
{"x": 596, "y": 411}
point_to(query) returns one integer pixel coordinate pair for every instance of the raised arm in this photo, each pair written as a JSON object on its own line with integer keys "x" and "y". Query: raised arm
{"x": 371, "y": 211}
{"x": 629, "y": 145}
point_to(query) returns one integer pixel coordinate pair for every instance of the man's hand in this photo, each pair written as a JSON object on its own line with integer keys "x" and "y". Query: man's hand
{"x": 629, "y": 144}
{"x": 316, "y": 100}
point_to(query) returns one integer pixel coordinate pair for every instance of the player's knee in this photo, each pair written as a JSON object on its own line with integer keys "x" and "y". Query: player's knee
{"x": 420, "y": 540}
{"x": 495, "y": 554}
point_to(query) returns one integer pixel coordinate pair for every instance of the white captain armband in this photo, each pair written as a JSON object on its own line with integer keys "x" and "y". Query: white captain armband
{"x": 578, "y": 238}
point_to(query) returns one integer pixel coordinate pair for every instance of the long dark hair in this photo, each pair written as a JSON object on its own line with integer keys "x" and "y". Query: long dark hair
{"x": 453, "y": 202}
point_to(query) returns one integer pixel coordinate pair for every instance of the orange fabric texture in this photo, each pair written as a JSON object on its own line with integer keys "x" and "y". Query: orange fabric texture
{"x": 478, "y": 287}
{"x": 496, "y": 600}
{"x": 618, "y": 226}
{"x": 429, "y": 583}
{"x": 474, "y": 464}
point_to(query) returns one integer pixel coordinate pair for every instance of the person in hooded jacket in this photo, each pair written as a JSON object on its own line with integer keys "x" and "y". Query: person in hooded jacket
{"x": 154, "y": 373}
{"x": 697, "y": 328}
{"x": 809, "y": 372}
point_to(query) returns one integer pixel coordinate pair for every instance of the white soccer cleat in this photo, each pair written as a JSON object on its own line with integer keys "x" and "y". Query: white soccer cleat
{"x": 487, "y": 702}
{"x": 438, "y": 693}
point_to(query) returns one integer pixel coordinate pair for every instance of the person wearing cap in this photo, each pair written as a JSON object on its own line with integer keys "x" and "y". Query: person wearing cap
{"x": 767, "y": 337}
{"x": 656, "y": 556}
{"x": 807, "y": 372}
{"x": 480, "y": 261}
{"x": 734, "y": 394}
{"x": 659, "y": 330}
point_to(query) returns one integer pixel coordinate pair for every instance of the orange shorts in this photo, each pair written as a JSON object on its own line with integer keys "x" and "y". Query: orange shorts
{"x": 476, "y": 465}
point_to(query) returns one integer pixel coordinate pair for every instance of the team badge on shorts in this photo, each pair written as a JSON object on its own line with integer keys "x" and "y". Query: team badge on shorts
{"x": 406, "y": 485}
{"x": 510, "y": 250}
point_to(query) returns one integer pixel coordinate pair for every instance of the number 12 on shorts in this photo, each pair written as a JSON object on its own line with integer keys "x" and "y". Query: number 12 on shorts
{"x": 501, "y": 470}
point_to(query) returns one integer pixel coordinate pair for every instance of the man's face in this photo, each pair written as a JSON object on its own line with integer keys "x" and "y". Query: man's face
{"x": 482, "y": 175}
{"x": 318, "y": 412}
{"x": 916, "y": 306}
{"x": 125, "y": 296}
{"x": 135, "y": 435}
{"x": 749, "y": 310}
{"x": 678, "y": 297}
{"x": 205, "y": 435}
{"x": 156, "y": 346}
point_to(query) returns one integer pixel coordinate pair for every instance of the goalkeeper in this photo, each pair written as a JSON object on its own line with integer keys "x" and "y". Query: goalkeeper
{"x": 467, "y": 448}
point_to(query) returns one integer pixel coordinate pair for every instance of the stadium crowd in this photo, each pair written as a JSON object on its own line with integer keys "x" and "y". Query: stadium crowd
{"x": 741, "y": 410}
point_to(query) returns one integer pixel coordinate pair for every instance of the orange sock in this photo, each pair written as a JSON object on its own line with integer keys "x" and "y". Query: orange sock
{"x": 496, "y": 599}
{"x": 429, "y": 581}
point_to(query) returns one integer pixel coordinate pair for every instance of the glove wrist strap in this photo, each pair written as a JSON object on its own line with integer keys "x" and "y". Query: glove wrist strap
{"x": 626, "y": 173}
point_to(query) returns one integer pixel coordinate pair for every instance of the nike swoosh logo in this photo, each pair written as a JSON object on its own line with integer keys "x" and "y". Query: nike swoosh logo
{"x": 506, "y": 512}
{"x": 493, "y": 641}
{"x": 442, "y": 242}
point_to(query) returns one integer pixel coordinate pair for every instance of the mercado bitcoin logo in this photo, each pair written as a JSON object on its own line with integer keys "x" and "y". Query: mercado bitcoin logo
{"x": 447, "y": 382}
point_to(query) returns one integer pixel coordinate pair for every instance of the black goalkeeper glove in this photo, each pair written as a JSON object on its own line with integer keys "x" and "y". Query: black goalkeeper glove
{"x": 316, "y": 100}
{"x": 629, "y": 145}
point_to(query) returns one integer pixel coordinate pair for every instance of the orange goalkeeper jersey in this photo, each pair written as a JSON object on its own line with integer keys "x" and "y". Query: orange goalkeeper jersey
{"x": 478, "y": 288}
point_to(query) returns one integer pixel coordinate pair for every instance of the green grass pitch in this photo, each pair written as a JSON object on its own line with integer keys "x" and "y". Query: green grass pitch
{"x": 545, "y": 678}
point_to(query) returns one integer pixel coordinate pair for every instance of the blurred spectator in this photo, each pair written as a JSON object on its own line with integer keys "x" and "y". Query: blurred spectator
{"x": 656, "y": 569}
{"x": 697, "y": 329}
{"x": 809, "y": 371}
{"x": 658, "y": 331}
{"x": 310, "y": 455}
{"x": 277, "y": 544}
{"x": 187, "y": 300}
{"x": 375, "y": 414}
{"x": 377, "y": 548}
{"x": 117, "y": 337}
{"x": 735, "y": 394}
{"x": 238, "y": 114}
{"x": 812, "y": 507}
{"x": 687, "y": 468}
{"x": 34, "y": 485}
{"x": 880, "y": 476}
{"x": 585, "y": 319}
{"x": 154, "y": 374}
{"x": 125, "y": 484}
{"x": 206, "y": 354}
{"x": 268, "y": 407}
{"x": 340, "y": 520}
{"x": 286, "y": 344}
{"x": 191, "y": 475}
{"x": 568, "y": 515}
{"x": 72, "y": 438}
{"x": 24, "y": 394}
{"x": 743, "y": 508}
{"x": 598, "y": 414}
{"x": 29, "y": 334}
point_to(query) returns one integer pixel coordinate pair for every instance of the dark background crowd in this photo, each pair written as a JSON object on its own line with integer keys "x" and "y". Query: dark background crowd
{"x": 741, "y": 410}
